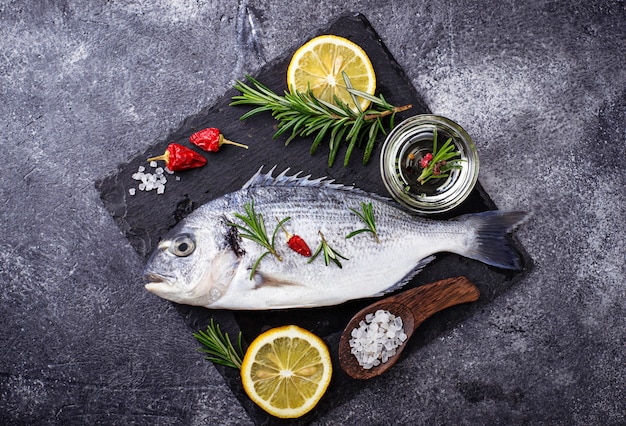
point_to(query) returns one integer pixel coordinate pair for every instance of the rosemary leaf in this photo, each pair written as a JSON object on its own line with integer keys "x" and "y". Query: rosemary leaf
{"x": 255, "y": 111}
{"x": 373, "y": 99}
{"x": 320, "y": 135}
{"x": 371, "y": 139}
{"x": 353, "y": 95}
{"x": 335, "y": 142}
{"x": 333, "y": 108}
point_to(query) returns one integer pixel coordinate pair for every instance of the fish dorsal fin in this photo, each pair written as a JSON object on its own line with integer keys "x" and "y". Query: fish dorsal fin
{"x": 267, "y": 179}
{"x": 282, "y": 180}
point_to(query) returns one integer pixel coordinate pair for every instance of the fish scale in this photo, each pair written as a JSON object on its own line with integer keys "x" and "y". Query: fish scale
{"x": 216, "y": 274}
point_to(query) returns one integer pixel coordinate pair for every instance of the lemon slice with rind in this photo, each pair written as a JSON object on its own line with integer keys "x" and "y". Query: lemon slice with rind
{"x": 286, "y": 371}
{"x": 319, "y": 64}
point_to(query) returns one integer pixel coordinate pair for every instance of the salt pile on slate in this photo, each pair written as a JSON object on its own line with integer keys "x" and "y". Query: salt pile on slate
{"x": 150, "y": 181}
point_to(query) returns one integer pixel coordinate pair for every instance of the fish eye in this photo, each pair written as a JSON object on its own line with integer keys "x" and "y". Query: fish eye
{"x": 182, "y": 246}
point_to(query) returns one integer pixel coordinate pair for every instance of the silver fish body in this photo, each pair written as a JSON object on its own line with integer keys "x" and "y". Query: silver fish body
{"x": 204, "y": 261}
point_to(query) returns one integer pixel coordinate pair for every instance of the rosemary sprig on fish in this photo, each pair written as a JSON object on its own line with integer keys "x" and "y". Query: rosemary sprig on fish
{"x": 205, "y": 260}
{"x": 367, "y": 216}
{"x": 254, "y": 230}
{"x": 330, "y": 255}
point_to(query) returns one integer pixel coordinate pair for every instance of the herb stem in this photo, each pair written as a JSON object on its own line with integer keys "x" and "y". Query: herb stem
{"x": 394, "y": 110}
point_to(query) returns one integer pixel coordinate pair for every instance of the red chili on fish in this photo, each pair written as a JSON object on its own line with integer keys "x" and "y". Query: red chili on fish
{"x": 211, "y": 139}
{"x": 297, "y": 244}
{"x": 178, "y": 157}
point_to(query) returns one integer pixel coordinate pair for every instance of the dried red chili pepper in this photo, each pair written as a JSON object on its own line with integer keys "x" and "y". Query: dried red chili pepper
{"x": 297, "y": 244}
{"x": 211, "y": 139}
{"x": 178, "y": 157}
{"x": 425, "y": 161}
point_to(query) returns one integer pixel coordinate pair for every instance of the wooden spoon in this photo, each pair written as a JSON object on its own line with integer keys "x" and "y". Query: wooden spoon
{"x": 413, "y": 306}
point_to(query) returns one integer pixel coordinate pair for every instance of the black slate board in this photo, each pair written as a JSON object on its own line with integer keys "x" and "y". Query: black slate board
{"x": 146, "y": 216}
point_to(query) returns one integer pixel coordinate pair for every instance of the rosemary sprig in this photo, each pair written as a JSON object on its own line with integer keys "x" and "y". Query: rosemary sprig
{"x": 254, "y": 229}
{"x": 329, "y": 253}
{"x": 218, "y": 347}
{"x": 367, "y": 216}
{"x": 442, "y": 163}
{"x": 302, "y": 114}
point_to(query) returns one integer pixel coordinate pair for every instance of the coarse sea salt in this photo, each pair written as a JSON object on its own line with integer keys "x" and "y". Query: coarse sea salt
{"x": 377, "y": 338}
{"x": 151, "y": 181}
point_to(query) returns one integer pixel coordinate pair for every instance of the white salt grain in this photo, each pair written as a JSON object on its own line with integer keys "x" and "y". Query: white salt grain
{"x": 151, "y": 181}
{"x": 377, "y": 338}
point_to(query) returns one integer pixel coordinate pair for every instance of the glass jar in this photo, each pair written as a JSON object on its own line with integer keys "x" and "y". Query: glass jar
{"x": 399, "y": 164}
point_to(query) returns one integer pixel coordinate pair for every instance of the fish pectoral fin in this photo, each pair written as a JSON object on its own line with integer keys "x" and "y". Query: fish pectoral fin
{"x": 409, "y": 276}
{"x": 268, "y": 280}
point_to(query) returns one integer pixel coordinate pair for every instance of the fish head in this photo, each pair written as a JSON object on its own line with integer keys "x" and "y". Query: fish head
{"x": 193, "y": 265}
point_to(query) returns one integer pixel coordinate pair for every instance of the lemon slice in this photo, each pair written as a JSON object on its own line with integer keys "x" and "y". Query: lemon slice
{"x": 319, "y": 64}
{"x": 286, "y": 370}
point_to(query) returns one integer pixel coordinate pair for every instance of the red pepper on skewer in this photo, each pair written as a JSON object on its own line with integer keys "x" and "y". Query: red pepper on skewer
{"x": 297, "y": 244}
{"x": 211, "y": 139}
{"x": 178, "y": 157}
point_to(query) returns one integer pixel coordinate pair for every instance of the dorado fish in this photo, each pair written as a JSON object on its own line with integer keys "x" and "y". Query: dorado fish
{"x": 209, "y": 259}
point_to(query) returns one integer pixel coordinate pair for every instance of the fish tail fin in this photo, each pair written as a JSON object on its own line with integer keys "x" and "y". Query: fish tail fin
{"x": 490, "y": 244}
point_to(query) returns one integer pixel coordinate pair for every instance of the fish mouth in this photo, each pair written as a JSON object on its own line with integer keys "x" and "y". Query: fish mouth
{"x": 153, "y": 281}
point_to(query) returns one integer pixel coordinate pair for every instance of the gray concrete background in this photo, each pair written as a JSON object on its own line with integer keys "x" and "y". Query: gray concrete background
{"x": 86, "y": 85}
